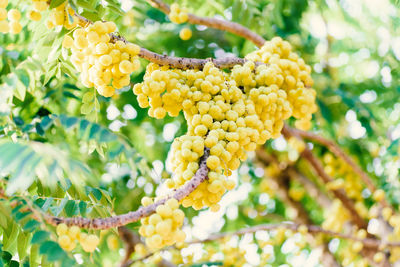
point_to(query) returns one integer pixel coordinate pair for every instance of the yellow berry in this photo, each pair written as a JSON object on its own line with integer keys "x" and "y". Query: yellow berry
{"x": 14, "y": 15}
{"x": 4, "y": 27}
{"x": 34, "y": 15}
{"x": 68, "y": 42}
{"x": 185, "y": 34}
{"x": 15, "y": 27}
{"x": 3, "y": 14}
{"x": 62, "y": 229}
{"x": 112, "y": 242}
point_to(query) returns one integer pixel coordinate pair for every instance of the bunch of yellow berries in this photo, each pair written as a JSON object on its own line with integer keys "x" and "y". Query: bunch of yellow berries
{"x": 178, "y": 14}
{"x": 12, "y": 25}
{"x": 335, "y": 217}
{"x": 68, "y": 235}
{"x": 344, "y": 177}
{"x": 162, "y": 228}
{"x": 38, "y": 7}
{"x": 63, "y": 15}
{"x": 229, "y": 113}
{"x": 104, "y": 64}
{"x": 292, "y": 75}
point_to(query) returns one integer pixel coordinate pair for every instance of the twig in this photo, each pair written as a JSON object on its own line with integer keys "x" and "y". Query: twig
{"x": 327, "y": 258}
{"x": 133, "y": 216}
{"x": 338, "y": 193}
{"x": 335, "y": 149}
{"x": 312, "y": 229}
{"x": 219, "y": 24}
{"x": 174, "y": 62}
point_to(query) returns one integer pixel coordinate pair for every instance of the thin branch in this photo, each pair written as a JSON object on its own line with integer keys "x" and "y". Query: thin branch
{"x": 337, "y": 151}
{"x": 327, "y": 258}
{"x": 174, "y": 62}
{"x": 215, "y": 23}
{"x": 133, "y": 216}
{"x": 340, "y": 194}
{"x": 312, "y": 229}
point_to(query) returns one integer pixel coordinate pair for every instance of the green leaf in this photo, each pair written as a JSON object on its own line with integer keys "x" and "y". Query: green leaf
{"x": 31, "y": 225}
{"x": 22, "y": 245}
{"x": 82, "y": 207}
{"x": 33, "y": 256}
{"x": 52, "y": 250}
{"x": 97, "y": 193}
{"x": 88, "y": 97}
{"x": 56, "y": 3}
{"x": 39, "y": 237}
{"x": 6, "y": 256}
{"x": 71, "y": 208}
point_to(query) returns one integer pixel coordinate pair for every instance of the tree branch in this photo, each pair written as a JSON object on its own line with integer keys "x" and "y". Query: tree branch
{"x": 219, "y": 24}
{"x": 319, "y": 169}
{"x": 327, "y": 259}
{"x": 337, "y": 151}
{"x": 133, "y": 216}
{"x": 312, "y": 229}
{"x": 174, "y": 62}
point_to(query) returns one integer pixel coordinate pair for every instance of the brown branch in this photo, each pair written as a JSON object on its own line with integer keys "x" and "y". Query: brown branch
{"x": 327, "y": 259}
{"x": 338, "y": 193}
{"x": 174, "y": 62}
{"x": 312, "y": 229}
{"x": 337, "y": 151}
{"x": 215, "y": 23}
{"x": 133, "y": 216}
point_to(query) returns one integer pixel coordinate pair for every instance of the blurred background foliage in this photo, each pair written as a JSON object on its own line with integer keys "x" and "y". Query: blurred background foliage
{"x": 61, "y": 141}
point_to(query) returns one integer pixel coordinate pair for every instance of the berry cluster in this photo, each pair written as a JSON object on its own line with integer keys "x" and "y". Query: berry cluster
{"x": 63, "y": 15}
{"x": 335, "y": 217}
{"x": 12, "y": 25}
{"x": 290, "y": 73}
{"x": 229, "y": 113}
{"x": 104, "y": 64}
{"x": 344, "y": 177}
{"x": 162, "y": 228}
{"x": 178, "y": 14}
{"x": 68, "y": 235}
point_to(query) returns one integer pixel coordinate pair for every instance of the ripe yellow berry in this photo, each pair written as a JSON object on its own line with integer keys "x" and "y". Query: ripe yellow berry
{"x": 125, "y": 67}
{"x": 68, "y": 42}
{"x": 3, "y": 14}
{"x": 213, "y": 162}
{"x": 34, "y": 15}
{"x": 39, "y": 6}
{"x": 15, "y": 27}
{"x": 379, "y": 195}
{"x": 62, "y": 229}
{"x": 3, "y": 3}
{"x": 74, "y": 232}
{"x": 106, "y": 91}
{"x": 90, "y": 243}
{"x": 4, "y": 27}
{"x": 378, "y": 257}
{"x": 64, "y": 241}
{"x": 105, "y": 60}
{"x": 185, "y": 34}
{"x": 14, "y": 15}
{"x": 164, "y": 211}
{"x": 112, "y": 242}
